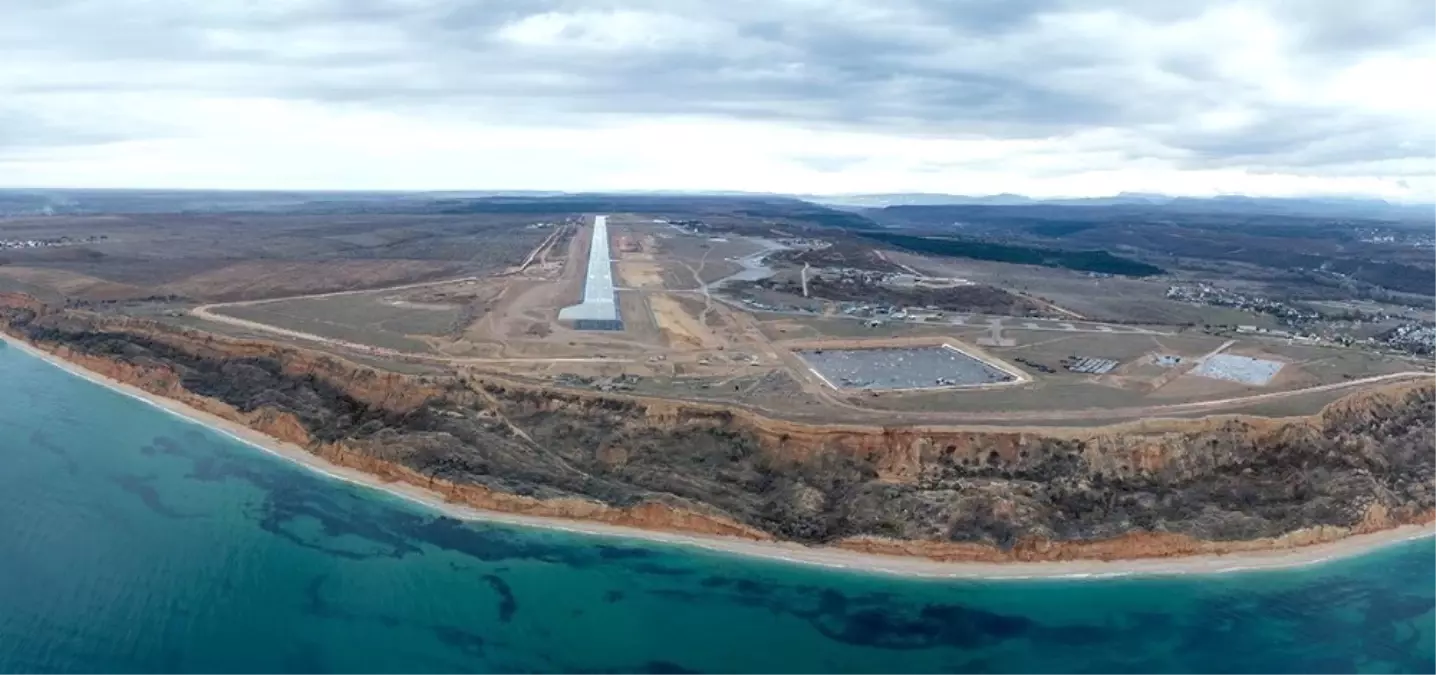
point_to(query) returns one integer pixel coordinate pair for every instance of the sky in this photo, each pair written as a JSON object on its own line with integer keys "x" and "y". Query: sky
{"x": 1037, "y": 97}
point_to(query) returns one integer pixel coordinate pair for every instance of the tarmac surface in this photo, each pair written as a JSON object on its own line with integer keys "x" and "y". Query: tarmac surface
{"x": 1243, "y": 369}
{"x": 900, "y": 368}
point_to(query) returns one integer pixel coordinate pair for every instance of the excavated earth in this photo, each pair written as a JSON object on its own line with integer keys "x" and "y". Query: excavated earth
{"x": 1145, "y": 489}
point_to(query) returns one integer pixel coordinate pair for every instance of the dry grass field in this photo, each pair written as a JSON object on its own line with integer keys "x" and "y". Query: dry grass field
{"x": 269, "y": 279}
{"x": 59, "y": 284}
{"x": 1117, "y": 299}
{"x": 219, "y": 256}
{"x": 482, "y": 294}
{"x": 363, "y": 319}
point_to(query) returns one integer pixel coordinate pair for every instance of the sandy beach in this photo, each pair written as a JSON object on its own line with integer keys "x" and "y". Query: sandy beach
{"x": 788, "y": 552}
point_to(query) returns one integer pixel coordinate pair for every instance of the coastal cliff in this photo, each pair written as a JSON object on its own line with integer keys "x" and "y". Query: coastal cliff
{"x": 1145, "y": 489}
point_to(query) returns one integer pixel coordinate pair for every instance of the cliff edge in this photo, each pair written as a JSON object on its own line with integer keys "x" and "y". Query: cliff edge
{"x": 1146, "y": 489}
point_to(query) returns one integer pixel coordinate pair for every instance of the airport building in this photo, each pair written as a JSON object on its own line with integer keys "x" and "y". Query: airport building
{"x": 599, "y": 309}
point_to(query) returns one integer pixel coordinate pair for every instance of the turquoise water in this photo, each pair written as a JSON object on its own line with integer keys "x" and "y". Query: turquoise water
{"x": 133, "y": 540}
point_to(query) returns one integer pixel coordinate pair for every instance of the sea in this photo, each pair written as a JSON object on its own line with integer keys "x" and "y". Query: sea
{"x": 134, "y": 540}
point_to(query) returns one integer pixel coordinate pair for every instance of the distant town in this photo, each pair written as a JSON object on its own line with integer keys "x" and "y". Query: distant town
{"x": 1304, "y": 323}
{"x": 48, "y": 242}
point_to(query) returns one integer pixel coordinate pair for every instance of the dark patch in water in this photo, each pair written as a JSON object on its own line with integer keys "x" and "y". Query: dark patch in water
{"x": 1225, "y": 631}
{"x": 665, "y": 667}
{"x": 491, "y": 544}
{"x": 314, "y": 602}
{"x": 40, "y": 440}
{"x": 507, "y": 603}
{"x": 278, "y": 523}
{"x": 305, "y": 657}
{"x": 470, "y": 643}
{"x": 1078, "y": 635}
{"x": 140, "y": 487}
{"x": 165, "y": 445}
{"x": 738, "y": 584}
{"x": 292, "y": 496}
{"x": 316, "y": 605}
{"x": 1399, "y": 607}
{"x": 656, "y": 666}
{"x": 933, "y": 626}
{"x": 615, "y": 552}
{"x": 660, "y": 570}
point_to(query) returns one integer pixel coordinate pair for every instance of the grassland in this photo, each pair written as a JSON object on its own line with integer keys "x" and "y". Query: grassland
{"x": 1111, "y": 299}
{"x": 1085, "y": 261}
{"x": 221, "y": 256}
{"x": 679, "y": 341}
{"x": 376, "y": 319}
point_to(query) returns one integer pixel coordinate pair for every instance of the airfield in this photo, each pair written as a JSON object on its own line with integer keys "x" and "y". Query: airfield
{"x": 690, "y": 331}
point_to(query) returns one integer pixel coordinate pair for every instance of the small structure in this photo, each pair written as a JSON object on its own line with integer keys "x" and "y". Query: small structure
{"x": 896, "y": 368}
{"x": 1235, "y": 368}
{"x": 1091, "y": 366}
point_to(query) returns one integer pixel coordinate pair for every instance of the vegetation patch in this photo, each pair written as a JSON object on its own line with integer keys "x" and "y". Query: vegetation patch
{"x": 1082, "y": 261}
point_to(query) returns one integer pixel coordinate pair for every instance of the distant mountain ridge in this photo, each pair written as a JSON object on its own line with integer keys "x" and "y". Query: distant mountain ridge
{"x": 1337, "y": 207}
{"x": 39, "y": 201}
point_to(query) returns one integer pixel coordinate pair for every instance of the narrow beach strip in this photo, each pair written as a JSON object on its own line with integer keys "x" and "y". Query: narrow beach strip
{"x": 835, "y": 558}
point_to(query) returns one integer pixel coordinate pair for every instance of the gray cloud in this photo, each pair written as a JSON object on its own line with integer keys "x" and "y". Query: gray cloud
{"x": 22, "y": 131}
{"x": 916, "y": 67}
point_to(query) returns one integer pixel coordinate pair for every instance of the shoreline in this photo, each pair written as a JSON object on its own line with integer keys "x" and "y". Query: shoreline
{"x": 789, "y": 552}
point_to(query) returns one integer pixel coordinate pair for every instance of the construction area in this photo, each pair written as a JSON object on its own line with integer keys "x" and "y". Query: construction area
{"x": 1235, "y": 368}
{"x": 903, "y": 368}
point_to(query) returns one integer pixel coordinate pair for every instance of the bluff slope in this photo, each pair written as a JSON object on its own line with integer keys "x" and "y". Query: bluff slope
{"x": 1158, "y": 488}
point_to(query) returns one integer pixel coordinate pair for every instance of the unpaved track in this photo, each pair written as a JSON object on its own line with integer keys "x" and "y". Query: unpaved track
{"x": 205, "y": 313}
{"x": 1044, "y": 417}
{"x": 746, "y": 323}
{"x": 1037, "y": 417}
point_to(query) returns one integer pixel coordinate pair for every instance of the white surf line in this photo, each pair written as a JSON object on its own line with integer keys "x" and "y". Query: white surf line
{"x": 908, "y": 567}
{"x": 444, "y": 508}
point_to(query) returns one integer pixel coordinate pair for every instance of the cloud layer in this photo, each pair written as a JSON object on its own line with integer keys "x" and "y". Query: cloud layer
{"x": 1034, "y": 96}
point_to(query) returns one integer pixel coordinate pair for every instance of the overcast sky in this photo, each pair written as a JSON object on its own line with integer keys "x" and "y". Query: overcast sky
{"x": 1040, "y": 97}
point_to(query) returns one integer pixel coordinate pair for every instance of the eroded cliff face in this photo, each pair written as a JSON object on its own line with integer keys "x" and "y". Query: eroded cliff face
{"x": 1157, "y": 488}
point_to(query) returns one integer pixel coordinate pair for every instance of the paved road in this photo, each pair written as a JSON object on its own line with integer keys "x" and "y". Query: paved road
{"x": 1010, "y": 323}
{"x": 978, "y": 321}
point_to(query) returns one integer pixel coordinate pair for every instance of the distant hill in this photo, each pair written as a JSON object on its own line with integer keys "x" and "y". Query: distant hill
{"x": 1331, "y": 207}
{"x": 1095, "y": 261}
{"x": 827, "y": 210}
{"x": 774, "y": 208}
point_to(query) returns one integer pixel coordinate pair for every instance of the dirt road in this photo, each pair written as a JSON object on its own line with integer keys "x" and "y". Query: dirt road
{"x": 837, "y": 404}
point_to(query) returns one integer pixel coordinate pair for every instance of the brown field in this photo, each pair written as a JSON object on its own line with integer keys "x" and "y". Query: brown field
{"x": 680, "y": 326}
{"x": 1098, "y": 298}
{"x": 230, "y": 256}
{"x": 637, "y": 274}
{"x": 681, "y": 343}
{"x": 365, "y": 319}
{"x": 57, "y": 284}
{"x": 268, "y": 279}
{"x": 780, "y": 327}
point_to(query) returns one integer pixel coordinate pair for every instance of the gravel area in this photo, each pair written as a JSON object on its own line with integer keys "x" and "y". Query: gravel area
{"x": 1243, "y": 369}
{"x": 901, "y": 368}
